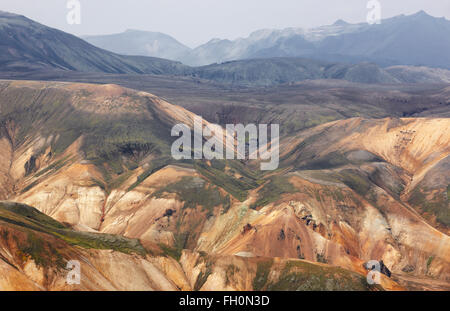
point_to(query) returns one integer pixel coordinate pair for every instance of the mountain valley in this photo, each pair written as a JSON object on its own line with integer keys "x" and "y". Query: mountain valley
{"x": 87, "y": 172}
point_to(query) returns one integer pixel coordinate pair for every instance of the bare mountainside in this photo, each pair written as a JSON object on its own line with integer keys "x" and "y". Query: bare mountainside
{"x": 94, "y": 158}
{"x": 37, "y": 262}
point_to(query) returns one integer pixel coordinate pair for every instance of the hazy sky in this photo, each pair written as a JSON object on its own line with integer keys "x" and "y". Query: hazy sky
{"x": 194, "y": 22}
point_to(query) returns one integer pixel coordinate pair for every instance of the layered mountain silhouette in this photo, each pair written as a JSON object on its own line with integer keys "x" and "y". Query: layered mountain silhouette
{"x": 419, "y": 39}
{"x": 28, "y": 47}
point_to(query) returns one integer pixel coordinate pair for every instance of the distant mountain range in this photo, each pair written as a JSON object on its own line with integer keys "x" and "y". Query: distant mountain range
{"x": 419, "y": 40}
{"x": 265, "y": 72}
{"x": 281, "y": 70}
{"x": 27, "y": 46}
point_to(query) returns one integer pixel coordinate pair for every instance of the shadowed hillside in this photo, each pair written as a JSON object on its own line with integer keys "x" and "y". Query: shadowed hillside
{"x": 27, "y": 45}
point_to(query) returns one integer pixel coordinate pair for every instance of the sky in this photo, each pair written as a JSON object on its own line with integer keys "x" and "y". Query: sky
{"x": 194, "y": 22}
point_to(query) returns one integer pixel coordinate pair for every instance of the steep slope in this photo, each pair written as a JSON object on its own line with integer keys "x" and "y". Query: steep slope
{"x": 98, "y": 135}
{"x": 346, "y": 179}
{"x": 27, "y": 45}
{"x": 144, "y": 43}
{"x": 415, "y": 149}
{"x": 34, "y": 251}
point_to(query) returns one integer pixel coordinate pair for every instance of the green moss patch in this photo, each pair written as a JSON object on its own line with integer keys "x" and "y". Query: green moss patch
{"x": 273, "y": 190}
{"x": 195, "y": 192}
{"x": 262, "y": 274}
{"x": 30, "y": 218}
{"x": 437, "y": 206}
{"x": 237, "y": 187}
{"x": 303, "y": 276}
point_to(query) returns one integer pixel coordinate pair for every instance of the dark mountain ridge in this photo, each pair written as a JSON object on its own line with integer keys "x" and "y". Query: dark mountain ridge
{"x": 27, "y": 45}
